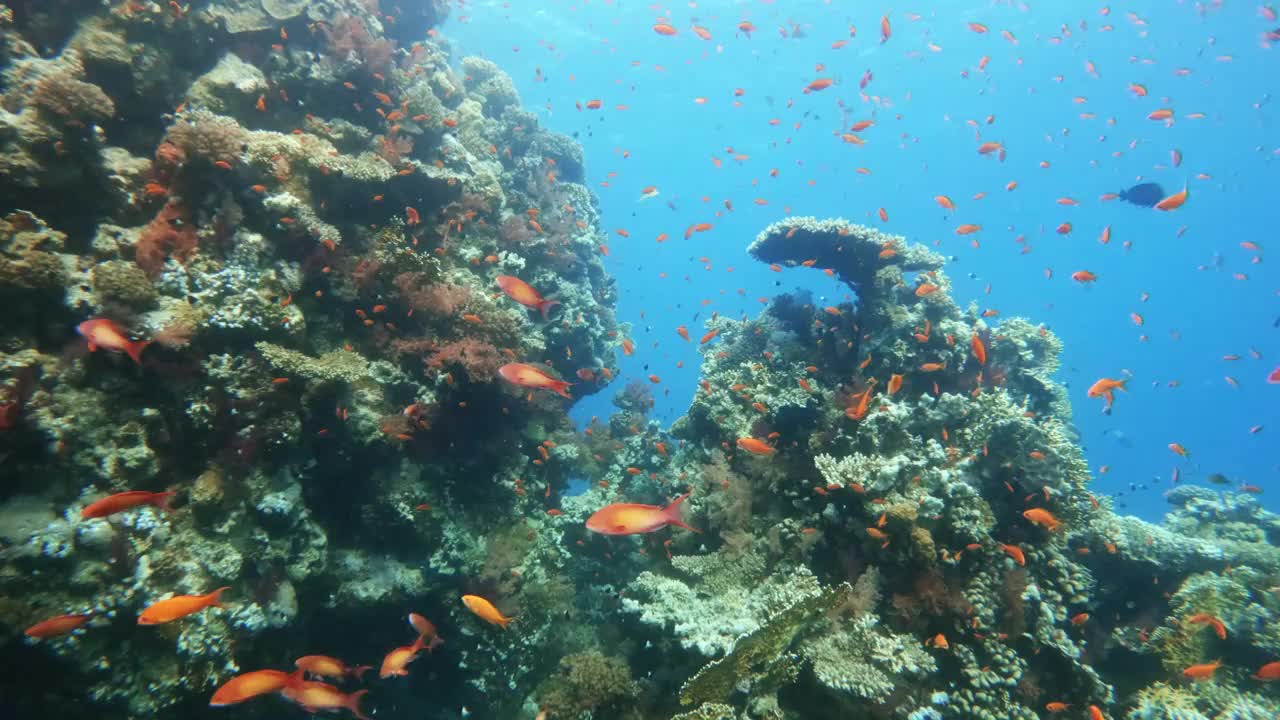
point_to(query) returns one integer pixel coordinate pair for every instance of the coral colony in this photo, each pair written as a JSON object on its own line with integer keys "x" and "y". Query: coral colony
{"x": 332, "y": 286}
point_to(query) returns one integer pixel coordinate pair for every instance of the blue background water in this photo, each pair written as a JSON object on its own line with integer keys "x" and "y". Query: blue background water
{"x": 930, "y": 108}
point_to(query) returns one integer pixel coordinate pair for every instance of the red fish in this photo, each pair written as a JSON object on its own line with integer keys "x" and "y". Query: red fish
{"x": 525, "y": 375}
{"x": 427, "y": 631}
{"x": 325, "y": 666}
{"x": 106, "y": 334}
{"x": 120, "y": 502}
{"x": 60, "y": 625}
{"x": 523, "y": 293}
{"x": 634, "y": 518}
{"x": 250, "y": 685}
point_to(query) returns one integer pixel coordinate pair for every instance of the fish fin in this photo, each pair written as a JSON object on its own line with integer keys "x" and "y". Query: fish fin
{"x": 353, "y": 704}
{"x": 546, "y": 305}
{"x": 93, "y": 347}
{"x": 216, "y": 596}
{"x": 161, "y": 500}
{"x": 134, "y": 350}
{"x": 359, "y": 671}
{"x": 672, "y": 514}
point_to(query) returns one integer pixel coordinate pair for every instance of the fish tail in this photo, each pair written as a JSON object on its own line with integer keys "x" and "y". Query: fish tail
{"x": 353, "y": 704}
{"x": 161, "y": 500}
{"x": 1120, "y": 384}
{"x": 561, "y": 388}
{"x": 358, "y": 671}
{"x": 134, "y": 350}
{"x": 672, "y": 514}
{"x": 546, "y": 305}
{"x": 215, "y": 597}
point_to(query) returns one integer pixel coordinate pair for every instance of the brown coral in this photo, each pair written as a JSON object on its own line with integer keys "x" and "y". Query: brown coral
{"x": 64, "y": 96}
{"x": 477, "y": 358}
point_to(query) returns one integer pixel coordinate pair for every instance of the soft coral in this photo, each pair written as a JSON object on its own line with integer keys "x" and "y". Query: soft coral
{"x": 169, "y": 234}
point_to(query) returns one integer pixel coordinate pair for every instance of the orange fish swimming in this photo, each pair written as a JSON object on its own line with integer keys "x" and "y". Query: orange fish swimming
{"x": 634, "y": 518}
{"x": 395, "y": 664}
{"x": 1174, "y": 201}
{"x": 106, "y": 334}
{"x": 979, "y": 349}
{"x": 1202, "y": 671}
{"x": 1014, "y": 552}
{"x": 1268, "y": 673}
{"x": 1219, "y": 628}
{"x": 325, "y": 666}
{"x": 251, "y": 685}
{"x": 317, "y": 697}
{"x": 60, "y": 625}
{"x": 427, "y": 631}
{"x": 523, "y": 293}
{"x": 120, "y": 502}
{"x": 895, "y": 383}
{"x": 1104, "y": 387}
{"x": 179, "y": 606}
{"x": 529, "y": 376}
{"x": 1043, "y": 518}
{"x": 756, "y": 447}
{"x": 486, "y": 611}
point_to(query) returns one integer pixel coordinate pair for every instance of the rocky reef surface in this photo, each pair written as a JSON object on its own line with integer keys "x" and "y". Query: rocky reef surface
{"x": 303, "y": 210}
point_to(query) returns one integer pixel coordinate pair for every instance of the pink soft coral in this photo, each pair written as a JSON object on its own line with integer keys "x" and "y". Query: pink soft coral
{"x": 169, "y": 234}
{"x": 477, "y": 358}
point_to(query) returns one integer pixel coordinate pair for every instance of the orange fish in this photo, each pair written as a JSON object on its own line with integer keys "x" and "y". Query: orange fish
{"x": 396, "y": 661}
{"x": 325, "y": 666}
{"x": 318, "y": 697}
{"x": 1174, "y": 201}
{"x": 1083, "y": 276}
{"x": 120, "y": 502}
{"x": 979, "y": 349}
{"x": 756, "y": 447}
{"x": 427, "y": 631}
{"x": 967, "y": 229}
{"x": 944, "y": 202}
{"x": 1268, "y": 673}
{"x": 819, "y": 84}
{"x": 1095, "y": 713}
{"x": 1219, "y": 628}
{"x": 1104, "y": 387}
{"x": 179, "y": 606}
{"x": 55, "y": 626}
{"x": 250, "y": 685}
{"x": 696, "y": 228}
{"x": 1043, "y": 518}
{"x": 1014, "y": 552}
{"x": 634, "y": 518}
{"x": 106, "y": 334}
{"x": 524, "y": 375}
{"x": 486, "y": 611}
{"x": 1080, "y": 619}
{"x": 523, "y": 293}
{"x": 895, "y": 383}
{"x": 664, "y": 29}
{"x": 1056, "y": 707}
{"x": 926, "y": 289}
{"x": 1177, "y": 449}
{"x": 1202, "y": 671}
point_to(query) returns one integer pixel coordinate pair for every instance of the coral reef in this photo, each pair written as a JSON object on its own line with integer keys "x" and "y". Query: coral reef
{"x": 301, "y": 214}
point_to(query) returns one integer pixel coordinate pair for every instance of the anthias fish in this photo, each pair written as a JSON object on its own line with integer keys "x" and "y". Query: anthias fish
{"x": 634, "y": 518}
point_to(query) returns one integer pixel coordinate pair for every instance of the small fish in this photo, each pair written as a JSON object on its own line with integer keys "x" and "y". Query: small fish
{"x": 1218, "y": 479}
{"x": 60, "y": 625}
{"x": 529, "y": 376}
{"x": 120, "y": 502}
{"x": 1056, "y": 707}
{"x": 756, "y": 447}
{"x": 1014, "y": 552}
{"x": 1143, "y": 194}
{"x": 318, "y": 696}
{"x": 1202, "y": 671}
{"x": 1043, "y": 518}
{"x": 106, "y": 334}
{"x": 1268, "y": 673}
{"x": 251, "y": 685}
{"x": 325, "y": 666}
{"x": 634, "y": 518}
{"x": 427, "y": 631}
{"x": 486, "y": 611}
{"x": 180, "y": 606}
{"x": 396, "y": 662}
{"x": 523, "y": 293}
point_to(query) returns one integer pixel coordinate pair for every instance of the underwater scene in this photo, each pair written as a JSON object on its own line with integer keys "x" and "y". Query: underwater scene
{"x": 613, "y": 360}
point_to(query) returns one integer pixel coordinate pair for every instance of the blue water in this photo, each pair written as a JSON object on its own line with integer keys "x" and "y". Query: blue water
{"x": 931, "y": 109}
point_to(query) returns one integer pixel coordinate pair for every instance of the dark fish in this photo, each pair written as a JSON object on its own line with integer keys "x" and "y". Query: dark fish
{"x": 1219, "y": 479}
{"x": 1143, "y": 194}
